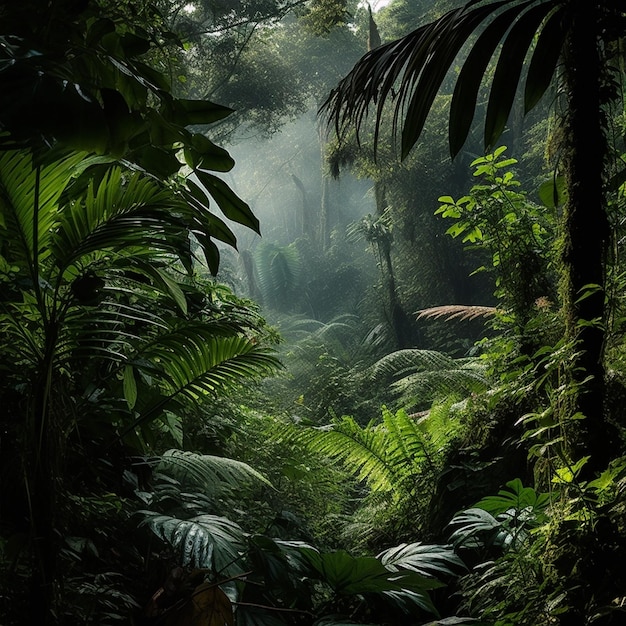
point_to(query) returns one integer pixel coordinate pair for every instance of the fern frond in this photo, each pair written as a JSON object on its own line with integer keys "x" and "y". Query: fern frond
{"x": 385, "y": 455}
{"x": 406, "y": 445}
{"x": 361, "y": 450}
{"x": 399, "y": 363}
{"x": 430, "y": 385}
{"x": 457, "y": 311}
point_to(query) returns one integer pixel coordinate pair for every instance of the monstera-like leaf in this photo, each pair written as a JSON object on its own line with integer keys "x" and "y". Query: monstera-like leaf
{"x": 350, "y": 575}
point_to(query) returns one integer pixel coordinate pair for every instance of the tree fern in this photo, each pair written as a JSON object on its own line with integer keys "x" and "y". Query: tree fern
{"x": 384, "y": 454}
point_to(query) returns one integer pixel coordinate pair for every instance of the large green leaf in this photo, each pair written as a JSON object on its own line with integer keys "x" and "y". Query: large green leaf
{"x": 230, "y": 204}
{"x": 515, "y": 496}
{"x": 205, "y": 541}
{"x": 553, "y": 192}
{"x": 349, "y": 575}
{"x": 187, "y": 112}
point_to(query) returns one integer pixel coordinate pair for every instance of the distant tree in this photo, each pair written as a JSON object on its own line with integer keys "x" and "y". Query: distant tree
{"x": 252, "y": 57}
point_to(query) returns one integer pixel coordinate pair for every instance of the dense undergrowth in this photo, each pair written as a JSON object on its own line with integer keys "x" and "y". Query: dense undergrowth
{"x": 172, "y": 454}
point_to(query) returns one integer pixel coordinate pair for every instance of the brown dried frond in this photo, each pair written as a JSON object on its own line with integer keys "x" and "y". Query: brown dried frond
{"x": 456, "y": 311}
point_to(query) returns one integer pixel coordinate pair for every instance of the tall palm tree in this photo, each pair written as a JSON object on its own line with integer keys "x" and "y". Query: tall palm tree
{"x": 578, "y": 36}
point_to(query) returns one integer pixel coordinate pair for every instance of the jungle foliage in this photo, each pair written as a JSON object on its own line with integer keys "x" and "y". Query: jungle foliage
{"x": 428, "y": 430}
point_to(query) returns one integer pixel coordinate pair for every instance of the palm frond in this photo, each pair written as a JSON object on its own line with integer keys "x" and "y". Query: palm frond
{"x": 422, "y": 376}
{"x": 192, "y": 363}
{"x": 208, "y": 473}
{"x": 397, "y": 364}
{"x": 427, "y": 386}
{"x": 196, "y": 362}
{"x": 427, "y": 560}
{"x": 409, "y": 72}
{"x": 28, "y": 201}
{"x": 122, "y": 212}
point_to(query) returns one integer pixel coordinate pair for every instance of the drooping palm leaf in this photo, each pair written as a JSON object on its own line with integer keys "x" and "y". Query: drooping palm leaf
{"x": 410, "y": 71}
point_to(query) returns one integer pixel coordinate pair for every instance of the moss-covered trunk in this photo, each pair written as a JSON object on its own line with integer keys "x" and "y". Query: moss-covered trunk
{"x": 586, "y": 229}
{"x": 586, "y": 237}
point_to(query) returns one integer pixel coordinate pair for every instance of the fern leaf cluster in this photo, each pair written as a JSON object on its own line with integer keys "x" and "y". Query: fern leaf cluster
{"x": 387, "y": 455}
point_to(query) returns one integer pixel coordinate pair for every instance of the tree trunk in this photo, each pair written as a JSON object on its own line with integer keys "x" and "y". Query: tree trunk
{"x": 42, "y": 488}
{"x": 402, "y": 326}
{"x": 308, "y": 219}
{"x": 585, "y": 244}
{"x": 586, "y": 231}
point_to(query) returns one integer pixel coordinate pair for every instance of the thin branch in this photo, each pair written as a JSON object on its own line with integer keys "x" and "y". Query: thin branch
{"x": 274, "y": 608}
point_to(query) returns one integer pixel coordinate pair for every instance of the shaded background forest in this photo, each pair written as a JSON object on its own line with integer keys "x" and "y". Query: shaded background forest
{"x": 258, "y": 373}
